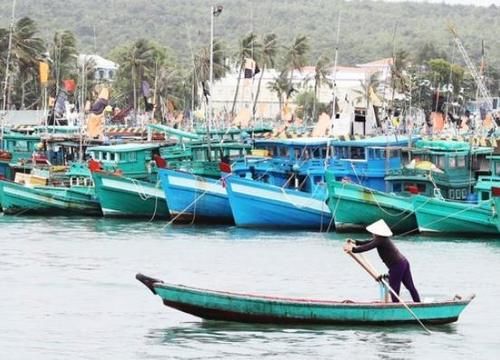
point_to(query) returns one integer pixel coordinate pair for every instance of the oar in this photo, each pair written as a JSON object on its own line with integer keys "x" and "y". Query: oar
{"x": 360, "y": 259}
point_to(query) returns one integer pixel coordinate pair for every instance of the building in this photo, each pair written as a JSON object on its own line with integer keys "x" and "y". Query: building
{"x": 105, "y": 70}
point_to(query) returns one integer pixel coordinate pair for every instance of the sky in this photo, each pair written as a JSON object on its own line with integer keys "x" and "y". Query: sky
{"x": 455, "y": 2}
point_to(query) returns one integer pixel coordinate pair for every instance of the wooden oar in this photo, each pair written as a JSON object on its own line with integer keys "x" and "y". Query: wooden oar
{"x": 360, "y": 259}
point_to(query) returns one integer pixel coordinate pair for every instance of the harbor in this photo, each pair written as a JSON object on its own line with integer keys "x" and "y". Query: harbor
{"x": 248, "y": 180}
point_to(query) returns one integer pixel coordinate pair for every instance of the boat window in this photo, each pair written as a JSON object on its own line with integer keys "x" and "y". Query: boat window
{"x": 117, "y": 157}
{"x": 101, "y": 155}
{"x": 317, "y": 179}
{"x": 357, "y": 153}
{"x": 464, "y": 194}
{"x": 485, "y": 195}
{"x": 496, "y": 170}
{"x": 451, "y": 194}
{"x": 92, "y": 155}
{"x": 132, "y": 156}
{"x": 421, "y": 188}
{"x": 461, "y": 161}
{"x": 439, "y": 161}
{"x": 21, "y": 145}
{"x": 452, "y": 162}
{"x": 110, "y": 156}
{"x": 396, "y": 187}
{"x": 282, "y": 151}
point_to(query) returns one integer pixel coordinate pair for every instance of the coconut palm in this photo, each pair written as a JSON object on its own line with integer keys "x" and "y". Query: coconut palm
{"x": 281, "y": 86}
{"x": 321, "y": 72}
{"x": 26, "y": 51}
{"x": 201, "y": 74}
{"x": 63, "y": 54}
{"x": 368, "y": 87}
{"x": 267, "y": 59}
{"x": 296, "y": 55}
{"x": 249, "y": 47}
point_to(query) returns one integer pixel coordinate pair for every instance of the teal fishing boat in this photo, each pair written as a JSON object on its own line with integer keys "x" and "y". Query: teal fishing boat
{"x": 227, "y": 306}
{"x": 126, "y": 180}
{"x": 438, "y": 169}
{"x": 32, "y": 193}
{"x": 476, "y": 215}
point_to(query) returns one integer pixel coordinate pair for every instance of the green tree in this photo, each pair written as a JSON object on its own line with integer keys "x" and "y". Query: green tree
{"x": 249, "y": 47}
{"x": 280, "y": 85}
{"x": 296, "y": 55}
{"x": 63, "y": 53}
{"x": 321, "y": 72}
{"x": 266, "y": 59}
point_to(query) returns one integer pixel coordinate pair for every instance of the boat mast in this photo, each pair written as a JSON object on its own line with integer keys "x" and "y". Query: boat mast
{"x": 7, "y": 75}
{"x": 334, "y": 114}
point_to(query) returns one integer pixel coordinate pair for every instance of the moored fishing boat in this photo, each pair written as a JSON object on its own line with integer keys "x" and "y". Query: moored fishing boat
{"x": 286, "y": 191}
{"x": 227, "y": 306}
{"x": 477, "y": 215}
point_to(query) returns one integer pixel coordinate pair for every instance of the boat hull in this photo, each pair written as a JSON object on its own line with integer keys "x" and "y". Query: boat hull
{"x": 225, "y": 306}
{"x": 121, "y": 196}
{"x": 441, "y": 216}
{"x": 258, "y": 204}
{"x": 355, "y": 207}
{"x": 194, "y": 198}
{"x": 19, "y": 199}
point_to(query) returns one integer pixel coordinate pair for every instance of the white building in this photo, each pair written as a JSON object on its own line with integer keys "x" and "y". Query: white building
{"x": 105, "y": 70}
{"x": 348, "y": 83}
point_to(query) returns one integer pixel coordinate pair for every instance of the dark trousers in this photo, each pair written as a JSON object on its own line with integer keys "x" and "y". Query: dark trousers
{"x": 401, "y": 273}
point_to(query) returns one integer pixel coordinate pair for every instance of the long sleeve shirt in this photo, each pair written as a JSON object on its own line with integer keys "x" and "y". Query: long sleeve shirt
{"x": 386, "y": 249}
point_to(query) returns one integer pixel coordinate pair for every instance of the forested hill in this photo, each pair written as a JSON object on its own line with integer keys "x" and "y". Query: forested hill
{"x": 366, "y": 32}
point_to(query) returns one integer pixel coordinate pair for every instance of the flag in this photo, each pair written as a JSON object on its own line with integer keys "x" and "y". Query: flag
{"x": 251, "y": 68}
{"x": 69, "y": 85}
{"x": 44, "y": 73}
{"x": 145, "y": 88}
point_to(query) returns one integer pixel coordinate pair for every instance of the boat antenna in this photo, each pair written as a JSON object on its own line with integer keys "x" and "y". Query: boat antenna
{"x": 7, "y": 68}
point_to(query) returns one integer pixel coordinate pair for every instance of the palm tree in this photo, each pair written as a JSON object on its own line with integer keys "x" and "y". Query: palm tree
{"x": 368, "y": 87}
{"x": 296, "y": 55}
{"x": 137, "y": 60}
{"x": 281, "y": 86}
{"x": 201, "y": 74}
{"x": 26, "y": 51}
{"x": 63, "y": 53}
{"x": 321, "y": 72}
{"x": 249, "y": 47}
{"x": 267, "y": 59}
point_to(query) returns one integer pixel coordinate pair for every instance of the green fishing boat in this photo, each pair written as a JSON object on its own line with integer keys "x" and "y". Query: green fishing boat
{"x": 126, "y": 183}
{"x": 477, "y": 215}
{"x": 73, "y": 194}
{"x": 227, "y": 306}
{"x": 438, "y": 169}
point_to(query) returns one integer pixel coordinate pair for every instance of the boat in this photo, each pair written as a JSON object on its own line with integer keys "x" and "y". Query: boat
{"x": 367, "y": 161}
{"x": 246, "y": 308}
{"x": 195, "y": 190}
{"x": 285, "y": 191}
{"x": 476, "y": 215}
{"x": 444, "y": 169}
{"x": 32, "y": 193}
{"x": 126, "y": 181}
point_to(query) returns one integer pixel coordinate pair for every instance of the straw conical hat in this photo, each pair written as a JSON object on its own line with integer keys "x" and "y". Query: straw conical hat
{"x": 379, "y": 228}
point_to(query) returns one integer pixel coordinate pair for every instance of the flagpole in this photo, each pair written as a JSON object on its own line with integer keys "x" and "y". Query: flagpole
{"x": 334, "y": 114}
{"x": 7, "y": 75}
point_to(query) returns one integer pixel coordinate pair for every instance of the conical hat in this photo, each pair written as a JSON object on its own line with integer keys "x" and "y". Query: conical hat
{"x": 379, "y": 228}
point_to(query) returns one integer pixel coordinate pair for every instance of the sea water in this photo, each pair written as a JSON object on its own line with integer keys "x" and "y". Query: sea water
{"x": 67, "y": 291}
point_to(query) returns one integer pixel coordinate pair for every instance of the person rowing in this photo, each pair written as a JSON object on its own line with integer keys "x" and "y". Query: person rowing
{"x": 398, "y": 265}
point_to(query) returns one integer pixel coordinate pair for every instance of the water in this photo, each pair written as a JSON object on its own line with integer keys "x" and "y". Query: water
{"x": 68, "y": 292}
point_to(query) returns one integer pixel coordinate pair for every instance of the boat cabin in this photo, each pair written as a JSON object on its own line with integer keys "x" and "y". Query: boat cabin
{"x": 132, "y": 160}
{"x": 367, "y": 161}
{"x": 438, "y": 164}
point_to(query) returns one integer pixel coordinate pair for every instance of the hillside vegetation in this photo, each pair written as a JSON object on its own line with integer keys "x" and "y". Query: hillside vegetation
{"x": 368, "y": 30}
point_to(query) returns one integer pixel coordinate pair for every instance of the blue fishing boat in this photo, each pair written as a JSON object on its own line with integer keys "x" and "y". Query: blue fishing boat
{"x": 367, "y": 161}
{"x": 285, "y": 191}
{"x": 246, "y": 308}
{"x": 195, "y": 190}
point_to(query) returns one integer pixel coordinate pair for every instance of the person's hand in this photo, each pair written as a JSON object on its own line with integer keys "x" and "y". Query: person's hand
{"x": 348, "y": 246}
{"x": 382, "y": 277}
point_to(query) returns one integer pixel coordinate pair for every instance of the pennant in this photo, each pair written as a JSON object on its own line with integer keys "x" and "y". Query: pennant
{"x": 69, "y": 85}
{"x": 44, "y": 73}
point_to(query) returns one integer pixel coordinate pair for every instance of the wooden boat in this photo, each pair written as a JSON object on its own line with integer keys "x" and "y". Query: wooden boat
{"x": 226, "y": 306}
